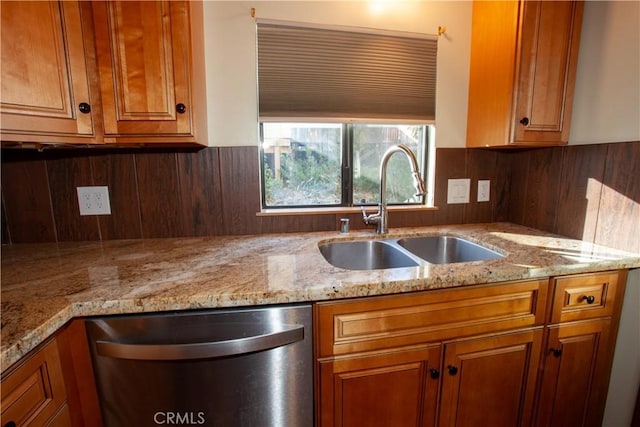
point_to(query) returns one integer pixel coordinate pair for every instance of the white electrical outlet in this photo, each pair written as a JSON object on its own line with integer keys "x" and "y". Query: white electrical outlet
{"x": 484, "y": 190}
{"x": 94, "y": 200}
{"x": 458, "y": 190}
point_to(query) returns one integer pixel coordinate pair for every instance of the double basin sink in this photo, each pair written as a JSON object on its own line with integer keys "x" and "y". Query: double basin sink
{"x": 404, "y": 252}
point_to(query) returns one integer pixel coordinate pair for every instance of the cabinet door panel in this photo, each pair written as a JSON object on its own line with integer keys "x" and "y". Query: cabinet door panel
{"x": 550, "y": 40}
{"x": 34, "y": 392}
{"x": 392, "y": 388}
{"x": 575, "y": 374}
{"x": 490, "y": 381}
{"x": 143, "y": 52}
{"x": 491, "y": 81}
{"x": 43, "y": 73}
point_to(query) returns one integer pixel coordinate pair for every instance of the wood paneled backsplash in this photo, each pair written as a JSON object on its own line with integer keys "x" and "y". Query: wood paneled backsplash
{"x": 589, "y": 192}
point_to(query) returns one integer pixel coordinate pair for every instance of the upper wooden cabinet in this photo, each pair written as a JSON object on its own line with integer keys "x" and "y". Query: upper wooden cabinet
{"x": 129, "y": 72}
{"x": 147, "y": 82}
{"x": 45, "y": 93}
{"x": 522, "y": 75}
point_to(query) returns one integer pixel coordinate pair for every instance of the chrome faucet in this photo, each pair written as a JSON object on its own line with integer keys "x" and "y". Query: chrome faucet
{"x": 380, "y": 217}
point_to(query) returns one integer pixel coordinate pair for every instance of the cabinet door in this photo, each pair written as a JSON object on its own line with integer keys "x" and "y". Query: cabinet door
{"x": 396, "y": 387}
{"x": 34, "y": 392}
{"x": 494, "y": 33}
{"x": 548, "y": 61}
{"x": 144, "y": 53}
{"x": 575, "y": 374}
{"x": 45, "y": 88}
{"x": 490, "y": 381}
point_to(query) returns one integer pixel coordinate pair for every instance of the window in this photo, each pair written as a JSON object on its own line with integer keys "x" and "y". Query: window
{"x": 331, "y": 102}
{"x": 334, "y": 164}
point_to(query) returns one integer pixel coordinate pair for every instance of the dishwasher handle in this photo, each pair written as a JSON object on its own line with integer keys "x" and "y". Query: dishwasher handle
{"x": 201, "y": 350}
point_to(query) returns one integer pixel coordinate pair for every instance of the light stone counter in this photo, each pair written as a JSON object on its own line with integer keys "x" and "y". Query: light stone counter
{"x": 46, "y": 285}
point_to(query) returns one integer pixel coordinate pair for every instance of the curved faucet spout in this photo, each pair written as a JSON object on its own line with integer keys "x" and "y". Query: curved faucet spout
{"x": 380, "y": 218}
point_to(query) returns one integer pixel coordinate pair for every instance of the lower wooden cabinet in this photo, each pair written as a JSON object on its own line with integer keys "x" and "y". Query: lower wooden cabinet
{"x": 431, "y": 358}
{"x": 579, "y": 345}
{"x": 494, "y": 355}
{"x": 490, "y": 381}
{"x": 53, "y": 385}
{"x": 398, "y": 387}
{"x": 575, "y": 378}
{"x": 33, "y": 393}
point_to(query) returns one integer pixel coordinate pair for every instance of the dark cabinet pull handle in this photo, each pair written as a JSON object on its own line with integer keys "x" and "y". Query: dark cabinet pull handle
{"x": 557, "y": 352}
{"x": 435, "y": 374}
{"x": 10, "y": 424}
{"x": 181, "y": 108}
{"x": 452, "y": 370}
{"x": 590, "y": 299}
{"x": 524, "y": 121}
{"x": 84, "y": 108}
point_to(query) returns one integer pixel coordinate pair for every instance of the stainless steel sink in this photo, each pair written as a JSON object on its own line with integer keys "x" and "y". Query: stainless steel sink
{"x": 447, "y": 249}
{"x": 365, "y": 255}
{"x": 404, "y": 252}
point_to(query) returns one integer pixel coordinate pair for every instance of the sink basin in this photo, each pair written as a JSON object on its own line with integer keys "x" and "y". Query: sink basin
{"x": 447, "y": 249}
{"x": 365, "y": 255}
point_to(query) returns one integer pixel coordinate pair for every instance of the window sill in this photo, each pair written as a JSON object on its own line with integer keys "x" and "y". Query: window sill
{"x": 340, "y": 210}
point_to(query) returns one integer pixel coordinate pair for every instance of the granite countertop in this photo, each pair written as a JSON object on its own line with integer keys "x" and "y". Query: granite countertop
{"x": 46, "y": 285}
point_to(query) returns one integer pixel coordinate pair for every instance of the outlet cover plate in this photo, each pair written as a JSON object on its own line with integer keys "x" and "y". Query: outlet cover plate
{"x": 94, "y": 200}
{"x": 458, "y": 190}
{"x": 484, "y": 190}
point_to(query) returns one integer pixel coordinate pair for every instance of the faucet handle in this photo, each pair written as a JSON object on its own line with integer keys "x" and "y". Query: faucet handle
{"x": 373, "y": 218}
{"x": 365, "y": 217}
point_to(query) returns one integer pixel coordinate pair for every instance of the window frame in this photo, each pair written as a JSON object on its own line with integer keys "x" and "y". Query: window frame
{"x": 346, "y": 170}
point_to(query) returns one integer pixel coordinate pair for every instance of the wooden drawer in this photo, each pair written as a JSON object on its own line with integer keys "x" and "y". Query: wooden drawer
{"x": 33, "y": 393}
{"x": 397, "y": 320}
{"x": 586, "y": 296}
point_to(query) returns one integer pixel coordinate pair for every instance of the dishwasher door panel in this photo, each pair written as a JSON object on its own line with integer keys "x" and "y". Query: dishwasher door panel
{"x": 243, "y": 367}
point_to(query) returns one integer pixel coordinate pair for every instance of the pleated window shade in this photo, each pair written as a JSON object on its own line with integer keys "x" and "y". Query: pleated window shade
{"x": 337, "y": 74}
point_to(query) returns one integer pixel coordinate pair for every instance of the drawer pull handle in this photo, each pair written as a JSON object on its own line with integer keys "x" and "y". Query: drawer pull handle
{"x": 181, "y": 108}
{"x": 10, "y": 424}
{"x": 452, "y": 370}
{"x": 590, "y": 299}
{"x": 435, "y": 374}
{"x": 557, "y": 352}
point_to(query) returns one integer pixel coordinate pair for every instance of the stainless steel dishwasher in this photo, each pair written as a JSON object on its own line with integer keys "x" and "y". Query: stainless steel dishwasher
{"x": 227, "y": 367}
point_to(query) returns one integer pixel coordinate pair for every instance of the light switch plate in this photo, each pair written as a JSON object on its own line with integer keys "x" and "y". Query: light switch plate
{"x": 94, "y": 200}
{"x": 458, "y": 190}
{"x": 484, "y": 190}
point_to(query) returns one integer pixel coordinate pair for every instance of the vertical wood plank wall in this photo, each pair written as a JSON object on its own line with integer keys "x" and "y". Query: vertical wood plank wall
{"x": 589, "y": 192}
